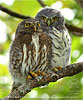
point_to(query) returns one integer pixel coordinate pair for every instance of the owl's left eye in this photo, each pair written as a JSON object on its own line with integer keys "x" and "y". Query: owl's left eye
{"x": 38, "y": 24}
{"x": 27, "y": 25}
{"x": 43, "y": 18}
{"x": 55, "y": 18}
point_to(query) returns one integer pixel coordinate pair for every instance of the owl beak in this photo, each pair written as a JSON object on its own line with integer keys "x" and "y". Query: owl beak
{"x": 35, "y": 28}
{"x": 48, "y": 22}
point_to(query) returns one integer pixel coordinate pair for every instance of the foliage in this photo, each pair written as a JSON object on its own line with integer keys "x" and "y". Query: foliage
{"x": 67, "y": 88}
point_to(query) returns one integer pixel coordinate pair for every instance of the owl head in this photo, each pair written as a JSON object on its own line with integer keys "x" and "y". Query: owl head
{"x": 28, "y": 26}
{"x": 49, "y": 17}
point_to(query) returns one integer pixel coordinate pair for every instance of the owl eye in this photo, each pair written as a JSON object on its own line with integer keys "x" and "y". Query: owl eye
{"x": 38, "y": 24}
{"x": 43, "y": 18}
{"x": 55, "y": 18}
{"x": 27, "y": 25}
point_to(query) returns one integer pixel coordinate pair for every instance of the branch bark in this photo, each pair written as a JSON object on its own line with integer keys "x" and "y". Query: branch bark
{"x": 14, "y": 14}
{"x": 42, "y": 3}
{"x": 25, "y": 88}
{"x": 75, "y": 30}
{"x": 80, "y": 2}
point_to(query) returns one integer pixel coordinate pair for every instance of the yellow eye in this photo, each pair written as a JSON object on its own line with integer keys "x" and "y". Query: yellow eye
{"x": 54, "y": 18}
{"x": 27, "y": 25}
{"x": 38, "y": 24}
{"x": 43, "y": 18}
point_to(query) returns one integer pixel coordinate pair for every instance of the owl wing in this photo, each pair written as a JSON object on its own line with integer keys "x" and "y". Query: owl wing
{"x": 15, "y": 60}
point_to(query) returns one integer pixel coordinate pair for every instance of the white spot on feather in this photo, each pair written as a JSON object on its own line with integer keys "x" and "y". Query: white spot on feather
{"x": 35, "y": 41}
{"x": 29, "y": 61}
{"x": 24, "y": 58}
{"x": 44, "y": 50}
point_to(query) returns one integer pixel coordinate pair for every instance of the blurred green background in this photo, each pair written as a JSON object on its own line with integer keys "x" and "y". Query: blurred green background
{"x": 69, "y": 88}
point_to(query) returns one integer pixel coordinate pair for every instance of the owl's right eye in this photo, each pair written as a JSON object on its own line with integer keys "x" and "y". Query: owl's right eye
{"x": 27, "y": 25}
{"x": 55, "y": 18}
{"x": 43, "y": 18}
{"x": 38, "y": 24}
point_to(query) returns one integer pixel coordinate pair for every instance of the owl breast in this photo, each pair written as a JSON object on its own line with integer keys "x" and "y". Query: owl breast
{"x": 35, "y": 55}
{"x": 61, "y": 48}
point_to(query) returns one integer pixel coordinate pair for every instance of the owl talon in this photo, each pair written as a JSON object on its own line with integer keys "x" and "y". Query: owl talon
{"x": 56, "y": 69}
{"x": 38, "y": 72}
{"x": 59, "y": 68}
{"x": 33, "y": 74}
{"x": 28, "y": 77}
{"x": 42, "y": 73}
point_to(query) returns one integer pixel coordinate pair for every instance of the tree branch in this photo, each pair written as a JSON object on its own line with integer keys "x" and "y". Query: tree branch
{"x": 42, "y": 3}
{"x": 80, "y": 2}
{"x": 71, "y": 28}
{"x": 14, "y": 14}
{"x": 75, "y": 30}
{"x": 25, "y": 88}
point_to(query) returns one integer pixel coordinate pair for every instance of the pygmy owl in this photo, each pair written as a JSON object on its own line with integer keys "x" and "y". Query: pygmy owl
{"x": 52, "y": 22}
{"x": 30, "y": 52}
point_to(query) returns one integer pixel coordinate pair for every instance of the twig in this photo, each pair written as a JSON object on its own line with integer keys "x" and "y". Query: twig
{"x": 71, "y": 28}
{"x": 42, "y": 3}
{"x": 22, "y": 90}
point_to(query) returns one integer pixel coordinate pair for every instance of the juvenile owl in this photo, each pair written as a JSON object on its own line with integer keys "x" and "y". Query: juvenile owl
{"x": 30, "y": 52}
{"x": 52, "y": 22}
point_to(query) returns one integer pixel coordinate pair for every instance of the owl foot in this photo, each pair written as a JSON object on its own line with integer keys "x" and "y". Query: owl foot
{"x": 28, "y": 77}
{"x": 42, "y": 73}
{"x": 31, "y": 75}
{"x": 39, "y": 73}
{"x": 56, "y": 69}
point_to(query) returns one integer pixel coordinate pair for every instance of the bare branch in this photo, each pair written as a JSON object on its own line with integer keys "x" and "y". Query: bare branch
{"x": 80, "y": 2}
{"x": 22, "y": 90}
{"x": 75, "y": 30}
{"x": 11, "y": 13}
{"x": 42, "y": 3}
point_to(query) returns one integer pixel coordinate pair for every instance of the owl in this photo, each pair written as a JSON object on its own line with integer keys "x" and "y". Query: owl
{"x": 52, "y": 22}
{"x": 30, "y": 52}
